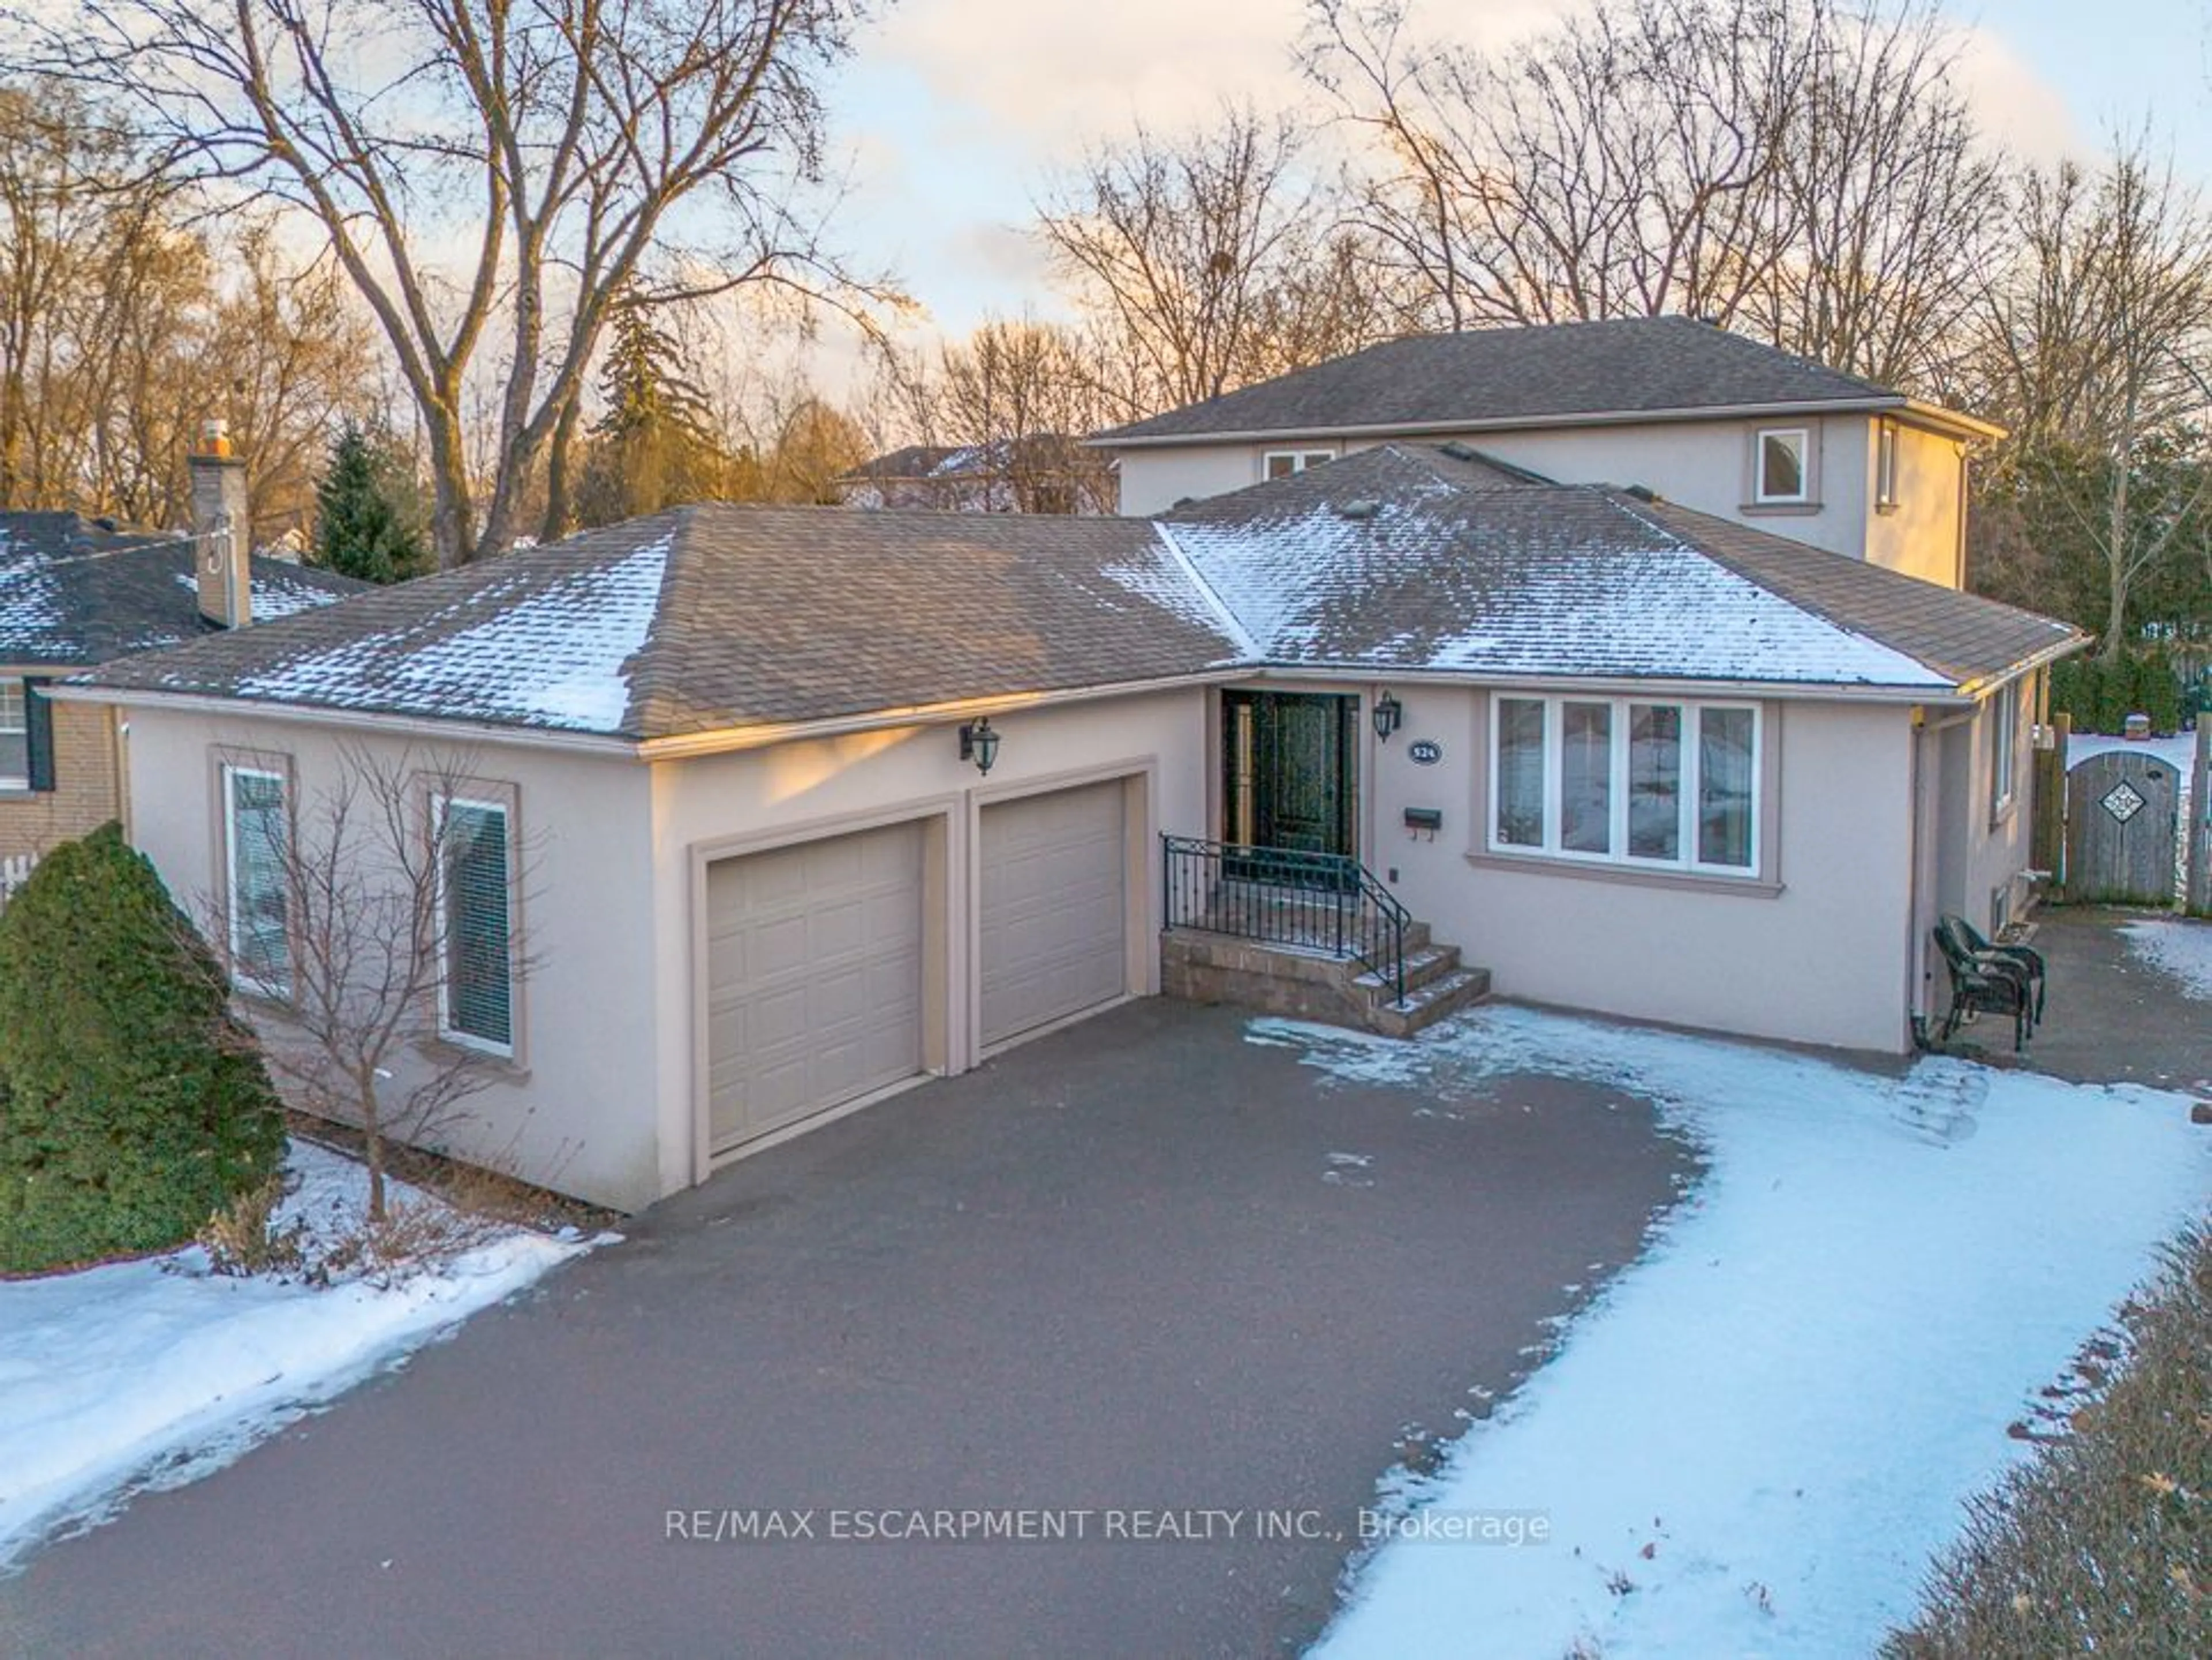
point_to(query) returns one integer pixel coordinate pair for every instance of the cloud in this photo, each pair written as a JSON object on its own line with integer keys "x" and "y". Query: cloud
{"x": 1058, "y": 76}
{"x": 2019, "y": 111}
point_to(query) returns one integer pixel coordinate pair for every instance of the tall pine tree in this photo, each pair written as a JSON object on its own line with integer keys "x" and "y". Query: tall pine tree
{"x": 367, "y": 522}
{"x": 654, "y": 445}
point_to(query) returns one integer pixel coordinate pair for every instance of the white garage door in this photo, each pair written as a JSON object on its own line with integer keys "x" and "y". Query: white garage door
{"x": 1054, "y": 908}
{"x": 813, "y": 978}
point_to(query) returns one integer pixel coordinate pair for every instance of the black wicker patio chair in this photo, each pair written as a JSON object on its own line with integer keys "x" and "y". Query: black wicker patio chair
{"x": 2027, "y": 956}
{"x": 1983, "y": 985}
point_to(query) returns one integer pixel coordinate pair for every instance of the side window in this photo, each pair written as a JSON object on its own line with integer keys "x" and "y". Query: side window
{"x": 476, "y": 981}
{"x": 2005, "y": 745}
{"x": 1782, "y": 464}
{"x": 257, "y": 833}
{"x": 15, "y": 737}
{"x": 1885, "y": 464}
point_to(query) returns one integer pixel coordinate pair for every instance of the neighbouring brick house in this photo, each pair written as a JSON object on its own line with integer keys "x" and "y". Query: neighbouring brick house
{"x": 77, "y": 593}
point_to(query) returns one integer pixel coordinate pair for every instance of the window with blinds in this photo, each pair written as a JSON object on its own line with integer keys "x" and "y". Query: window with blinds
{"x": 255, "y": 833}
{"x": 476, "y": 986}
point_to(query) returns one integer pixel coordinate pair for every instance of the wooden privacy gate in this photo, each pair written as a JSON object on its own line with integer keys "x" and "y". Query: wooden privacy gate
{"x": 2123, "y": 824}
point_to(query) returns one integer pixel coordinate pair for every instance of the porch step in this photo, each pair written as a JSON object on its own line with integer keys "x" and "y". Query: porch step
{"x": 1307, "y": 984}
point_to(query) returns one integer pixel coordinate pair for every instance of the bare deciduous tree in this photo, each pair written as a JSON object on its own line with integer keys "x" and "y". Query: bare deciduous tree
{"x": 1628, "y": 163}
{"x": 125, "y": 322}
{"x": 1208, "y": 260}
{"x": 481, "y": 165}
{"x": 1015, "y": 398}
{"x": 2097, "y": 348}
{"x": 355, "y": 933}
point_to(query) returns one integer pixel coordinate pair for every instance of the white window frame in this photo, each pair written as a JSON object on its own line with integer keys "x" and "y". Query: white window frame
{"x": 1299, "y": 460}
{"x": 2004, "y": 750}
{"x": 1885, "y": 465}
{"x": 441, "y": 802}
{"x": 21, "y": 728}
{"x": 1685, "y": 861}
{"x": 1765, "y": 497}
{"x": 231, "y": 771}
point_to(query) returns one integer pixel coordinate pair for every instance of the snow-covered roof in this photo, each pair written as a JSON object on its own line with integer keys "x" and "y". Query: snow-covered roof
{"x": 1413, "y": 557}
{"x": 1397, "y": 559}
{"x": 712, "y": 618}
{"x": 76, "y": 592}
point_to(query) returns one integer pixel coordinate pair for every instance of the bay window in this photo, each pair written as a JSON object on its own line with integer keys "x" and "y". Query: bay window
{"x": 1634, "y": 781}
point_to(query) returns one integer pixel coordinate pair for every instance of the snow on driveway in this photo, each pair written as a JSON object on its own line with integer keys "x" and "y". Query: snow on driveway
{"x": 1753, "y": 1442}
{"x": 153, "y": 1373}
{"x": 2182, "y": 949}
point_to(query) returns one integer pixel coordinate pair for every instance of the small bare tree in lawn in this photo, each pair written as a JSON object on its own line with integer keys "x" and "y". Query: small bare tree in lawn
{"x": 369, "y": 935}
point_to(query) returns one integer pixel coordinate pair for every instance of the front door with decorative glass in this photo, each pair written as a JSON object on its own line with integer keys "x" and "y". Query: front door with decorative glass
{"x": 1289, "y": 771}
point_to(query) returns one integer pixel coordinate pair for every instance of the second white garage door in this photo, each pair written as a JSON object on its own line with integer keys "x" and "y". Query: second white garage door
{"x": 814, "y": 978}
{"x": 1054, "y": 908}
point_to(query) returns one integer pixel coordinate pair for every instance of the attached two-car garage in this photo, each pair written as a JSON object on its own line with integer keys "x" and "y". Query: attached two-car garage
{"x": 828, "y": 962}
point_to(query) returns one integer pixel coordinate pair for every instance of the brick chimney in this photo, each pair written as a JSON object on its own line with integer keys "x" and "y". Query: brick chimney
{"x": 223, "y": 533}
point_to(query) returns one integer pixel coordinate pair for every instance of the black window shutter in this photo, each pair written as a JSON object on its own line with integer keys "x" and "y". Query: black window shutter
{"x": 38, "y": 732}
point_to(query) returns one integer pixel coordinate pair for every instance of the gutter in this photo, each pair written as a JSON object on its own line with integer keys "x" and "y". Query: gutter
{"x": 1948, "y": 421}
{"x": 363, "y": 719}
{"x": 728, "y": 739}
{"x": 1982, "y": 685}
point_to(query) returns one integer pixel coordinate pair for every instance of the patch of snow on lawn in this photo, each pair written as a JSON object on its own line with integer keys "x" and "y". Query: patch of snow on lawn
{"x": 2182, "y": 949}
{"x": 155, "y": 1372}
{"x": 1756, "y": 1438}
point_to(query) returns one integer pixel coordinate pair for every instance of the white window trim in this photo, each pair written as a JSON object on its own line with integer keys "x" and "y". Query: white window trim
{"x": 1760, "y": 494}
{"x": 232, "y": 772}
{"x": 1300, "y": 459}
{"x": 440, "y": 804}
{"x": 19, "y": 781}
{"x": 1687, "y": 861}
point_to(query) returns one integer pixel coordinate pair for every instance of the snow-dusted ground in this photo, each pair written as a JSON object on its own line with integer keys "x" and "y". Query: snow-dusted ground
{"x": 1754, "y": 1441}
{"x": 2178, "y": 947}
{"x": 154, "y": 1373}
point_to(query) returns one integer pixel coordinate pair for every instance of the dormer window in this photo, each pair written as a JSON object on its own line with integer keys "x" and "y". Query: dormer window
{"x": 1281, "y": 464}
{"x": 1782, "y": 466}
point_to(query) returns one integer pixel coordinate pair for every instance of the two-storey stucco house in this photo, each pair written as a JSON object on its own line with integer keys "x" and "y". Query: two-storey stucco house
{"x": 770, "y": 812}
{"x": 1705, "y": 418}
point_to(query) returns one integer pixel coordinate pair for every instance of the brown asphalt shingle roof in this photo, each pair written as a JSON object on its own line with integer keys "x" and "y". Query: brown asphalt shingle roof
{"x": 1398, "y": 558}
{"x": 1436, "y": 381}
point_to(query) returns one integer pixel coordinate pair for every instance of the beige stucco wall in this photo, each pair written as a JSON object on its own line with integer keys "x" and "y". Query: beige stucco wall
{"x": 1702, "y": 465}
{"x": 1922, "y": 535}
{"x": 725, "y": 806}
{"x": 1823, "y": 960}
{"x": 87, "y": 790}
{"x": 576, "y": 1111}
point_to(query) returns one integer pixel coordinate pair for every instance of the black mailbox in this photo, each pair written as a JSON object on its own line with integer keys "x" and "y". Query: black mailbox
{"x": 1430, "y": 819}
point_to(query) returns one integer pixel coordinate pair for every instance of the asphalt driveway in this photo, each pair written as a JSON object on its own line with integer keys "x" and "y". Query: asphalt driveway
{"x": 1140, "y": 1266}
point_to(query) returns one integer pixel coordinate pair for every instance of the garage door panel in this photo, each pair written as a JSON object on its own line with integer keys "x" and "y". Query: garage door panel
{"x": 1054, "y": 908}
{"x": 815, "y": 967}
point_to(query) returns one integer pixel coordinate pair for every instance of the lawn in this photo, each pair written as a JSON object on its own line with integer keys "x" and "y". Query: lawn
{"x": 153, "y": 1373}
{"x": 1757, "y": 1437}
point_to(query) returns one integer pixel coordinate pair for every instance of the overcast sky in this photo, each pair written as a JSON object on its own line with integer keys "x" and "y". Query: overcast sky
{"x": 953, "y": 113}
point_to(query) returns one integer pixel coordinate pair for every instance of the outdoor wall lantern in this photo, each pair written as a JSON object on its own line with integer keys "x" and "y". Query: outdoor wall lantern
{"x": 979, "y": 743}
{"x": 1389, "y": 715}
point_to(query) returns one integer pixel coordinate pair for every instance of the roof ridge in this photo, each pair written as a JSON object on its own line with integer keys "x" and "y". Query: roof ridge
{"x": 1238, "y": 631}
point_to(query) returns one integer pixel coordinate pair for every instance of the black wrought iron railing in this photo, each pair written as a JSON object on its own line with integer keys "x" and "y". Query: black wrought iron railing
{"x": 1323, "y": 902}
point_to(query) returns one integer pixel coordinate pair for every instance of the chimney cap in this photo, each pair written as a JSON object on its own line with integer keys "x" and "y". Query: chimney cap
{"x": 215, "y": 437}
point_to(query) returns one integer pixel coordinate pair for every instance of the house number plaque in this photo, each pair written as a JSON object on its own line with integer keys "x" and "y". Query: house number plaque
{"x": 1425, "y": 752}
